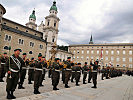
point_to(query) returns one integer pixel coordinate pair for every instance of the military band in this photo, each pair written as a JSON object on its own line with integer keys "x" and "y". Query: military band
{"x": 17, "y": 68}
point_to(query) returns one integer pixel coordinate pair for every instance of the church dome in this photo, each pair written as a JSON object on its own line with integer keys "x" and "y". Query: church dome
{"x": 33, "y": 15}
{"x": 53, "y": 7}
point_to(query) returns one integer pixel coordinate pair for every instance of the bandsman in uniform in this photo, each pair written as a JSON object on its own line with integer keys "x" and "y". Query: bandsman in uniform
{"x": 85, "y": 70}
{"x": 23, "y": 72}
{"x": 56, "y": 66}
{"x": 13, "y": 68}
{"x": 44, "y": 66}
{"x": 94, "y": 73}
{"x": 78, "y": 73}
{"x": 63, "y": 72}
{"x": 67, "y": 71}
{"x": 107, "y": 72}
{"x": 3, "y": 60}
{"x": 103, "y": 71}
{"x": 50, "y": 68}
{"x": 38, "y": 73}
{"x": 31, "y": 71}
{"x": 90, "y": 74}
{"x": 73, "y": 72}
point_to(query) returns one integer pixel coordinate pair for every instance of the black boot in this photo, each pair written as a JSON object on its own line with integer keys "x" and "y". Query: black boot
{"x": 13, "y": 95}
{"x": 41, "y": 85}
{"x": 55, "y": 88}
{"x": 94, "y": 86}
{"x": 9, "y": 96}
{"x": 36, "y": 91}
{"x": 77, "y": 84}
{"x": 29, "y": 82}
{"x": 22, "y": 87}
{"x": 19, "y": 86}
{"x": 84, "y": 82}
{"x": 66, "y": 86}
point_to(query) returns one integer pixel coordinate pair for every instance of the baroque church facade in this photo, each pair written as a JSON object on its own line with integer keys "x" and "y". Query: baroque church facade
{"x": 31, "y": 38}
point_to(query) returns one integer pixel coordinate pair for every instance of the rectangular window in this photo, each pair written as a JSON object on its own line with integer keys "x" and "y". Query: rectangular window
{"x": 97, "y": 51}
{"x": 107, "y": 52}
{"x": 31, "y": 44}
{"x": 130, "y": 52}
{"x": 130, "y": 65}
{"x": 55, "y": 24}
{"x": 48, "y": 22}
{"x": 124, "y": 52}
{"x": 82, "y": 57}
{"x": 8, "y": 38}
{"x": 53, "y": 39}
{"x": 92, "y": 52}
{"x": 77, "y": 57}
{"x": 124, "y": 59}
{"x": 112, "y": 52}
{"x": 87, "y": 51}
{"x": 74, "y": 52}
{"x": 124, "y": 65}
{"x": 87, "y": 58}
{"x": 20, "y": 41}
{"x": 117, "y": 59}
{"x": 82, "y": 52}
{"x": 106, "y": 58}
{"x": 41, "y": 46}
{"x": 77, "y": 51}
{"x": 112, "y": 58}
{"x": 130, "y": 59}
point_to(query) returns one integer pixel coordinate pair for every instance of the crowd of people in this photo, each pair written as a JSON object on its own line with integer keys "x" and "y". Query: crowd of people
{"x": 17, "y": 67}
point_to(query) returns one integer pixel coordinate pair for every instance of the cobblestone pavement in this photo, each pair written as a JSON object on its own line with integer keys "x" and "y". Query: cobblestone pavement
{"x": 120, "y": 88}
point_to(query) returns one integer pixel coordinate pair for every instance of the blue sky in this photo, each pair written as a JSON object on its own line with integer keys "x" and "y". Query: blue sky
{"x": 108, "y": 21}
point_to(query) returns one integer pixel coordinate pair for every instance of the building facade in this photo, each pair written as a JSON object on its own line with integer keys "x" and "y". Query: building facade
{"x": 31, "y": 38}
{"x": 119, "y": 55}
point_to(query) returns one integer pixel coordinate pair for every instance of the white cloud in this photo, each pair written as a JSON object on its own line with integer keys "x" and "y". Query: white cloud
{"x": 60, "y": 43}
{"x": 79, "y": 18}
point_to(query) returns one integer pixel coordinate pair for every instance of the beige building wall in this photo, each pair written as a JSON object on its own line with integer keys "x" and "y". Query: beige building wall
{"x": 14, "y": 43}
{"x": 21, "y": 27}
{"x": 119, "y": 55}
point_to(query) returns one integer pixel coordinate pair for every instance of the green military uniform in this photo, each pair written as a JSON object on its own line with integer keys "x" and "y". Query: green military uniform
{"x": 56, "y": 73}
{"x": 3, "y": 61}
{"x": 31, "y": 71}
{"x": 44, "y": 65}
{"x": 37, "y": 75}
{"x": 103, "y": 71}
{"x": 85, "y": 70}
{"x": 63, "y": 74}
{"x": 67, "y": 72}
{"x": 107, "y": 72}
{"x": 73, "y": 72}
{"x": 94, "y": 73}
{"x": 90, "y": 74}
{"x": 14, "y": 65}
{"x": 23, "y": 72}
{"x": 78, "y": 73}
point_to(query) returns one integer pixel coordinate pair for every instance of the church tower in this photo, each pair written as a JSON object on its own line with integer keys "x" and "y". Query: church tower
{"x": 50, "y": 30}
{"x": 91, "y": 40}
{"x": 32, "y": 20}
